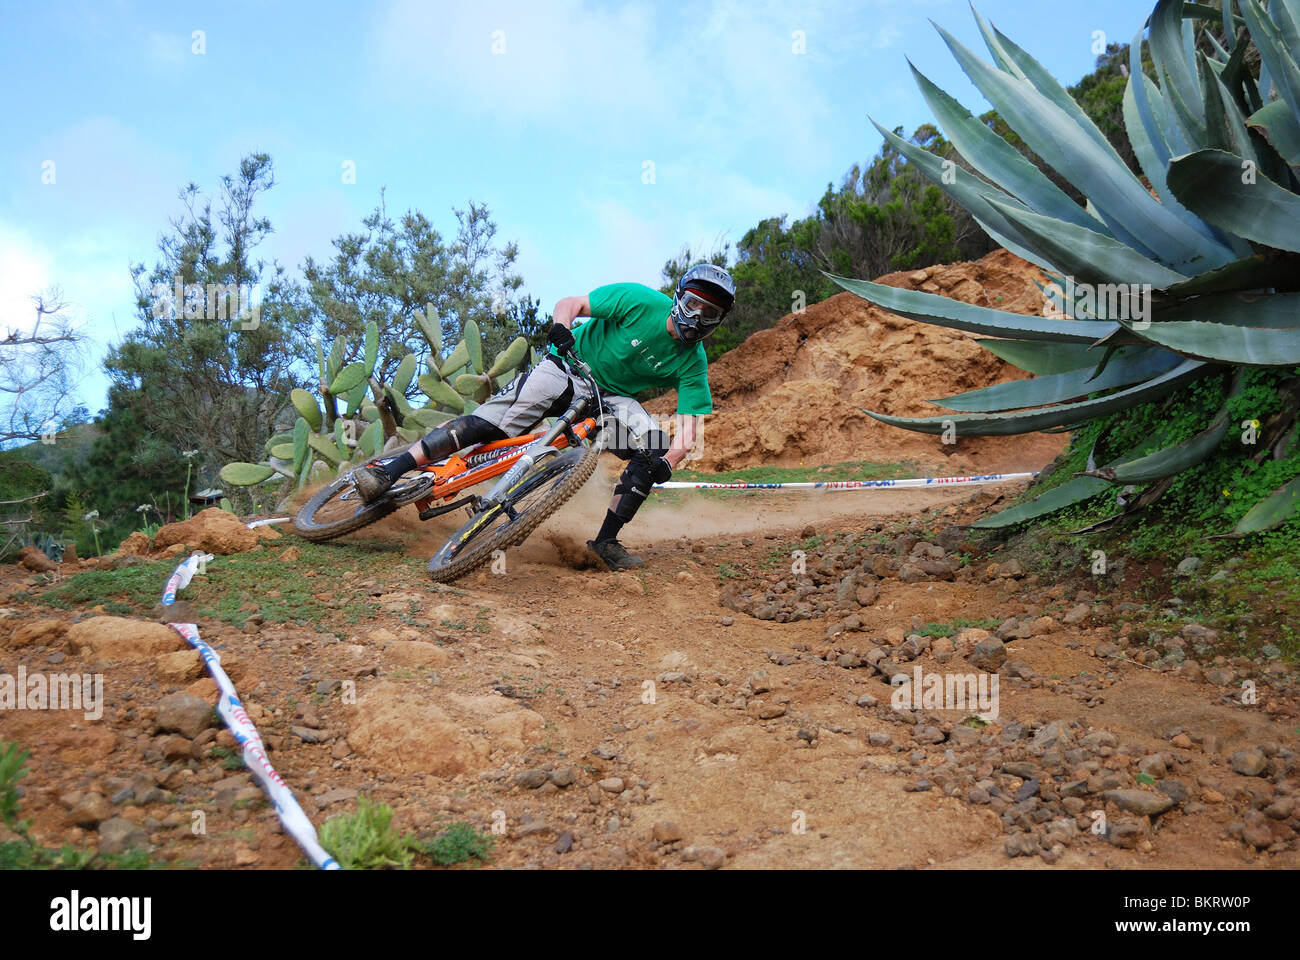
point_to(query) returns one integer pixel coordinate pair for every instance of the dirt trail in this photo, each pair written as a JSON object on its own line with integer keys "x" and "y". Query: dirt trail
{"x": 465, "y": 696}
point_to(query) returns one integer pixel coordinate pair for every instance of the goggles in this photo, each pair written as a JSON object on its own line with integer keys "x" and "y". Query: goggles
{"x": 694, "y": 307}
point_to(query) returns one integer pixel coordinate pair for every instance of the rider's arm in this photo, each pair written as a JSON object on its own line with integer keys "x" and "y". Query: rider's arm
{"x": 683, "y": 441}
{"x": 570, "y": 307}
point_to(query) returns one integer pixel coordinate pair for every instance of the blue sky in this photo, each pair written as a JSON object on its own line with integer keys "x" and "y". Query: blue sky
{"x": 547, "y": 110}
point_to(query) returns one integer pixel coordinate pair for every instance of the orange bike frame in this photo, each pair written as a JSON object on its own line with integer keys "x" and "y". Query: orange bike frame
{"x": 456, "y": 473}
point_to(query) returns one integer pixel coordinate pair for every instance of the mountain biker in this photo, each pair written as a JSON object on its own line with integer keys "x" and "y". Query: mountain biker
{"x": 636, "y": 339}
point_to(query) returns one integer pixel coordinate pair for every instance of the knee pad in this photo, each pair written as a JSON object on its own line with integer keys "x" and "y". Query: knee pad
{"x": 634, "y": 485}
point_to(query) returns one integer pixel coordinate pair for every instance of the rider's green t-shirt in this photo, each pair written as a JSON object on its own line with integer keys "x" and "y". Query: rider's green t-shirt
{"x": 629, "y": 349}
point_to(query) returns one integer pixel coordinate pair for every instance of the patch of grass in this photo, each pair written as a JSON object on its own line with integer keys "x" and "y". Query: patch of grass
{"x": 460, "y": 842}
{"x": 230, "y": 760}
{"x": 728, "y": 571}
{"x": 128, "y": 590}
{"x": 961, "y": 623}
{"x": 367, "y": 840}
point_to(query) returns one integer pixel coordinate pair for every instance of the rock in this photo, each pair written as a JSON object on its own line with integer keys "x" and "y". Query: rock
{"x": 710, "y": 858}
{"x": 1049, "y": 735}
{"x": 212, "y": 530}
{"x": 1012, "y": 629}
{"x": 35, "y": 560}
{"x": 175, "y": 748}
{"x": 1099, "y": 739}
{"x": 337, "y": 795}
{"x": 289, "y": 555}
{"x": 1175, "y": 790}
{"x": 39, "y": 632}
{"x": 117, "y": 638}
{"x": 1257, "y": 831}
{"x": 1077, "y": 614}
{"x": 564, "y": 842}
{"x": 179, "y": 666}
{"x": 1195, "y": 631}
{"x": 1019, "y": 845}
{"x": 879, "y": 739}
{"x": 1126, "y": 832}
{"x": 561, "y": 776}
{"x": 1220, "y": 676}
{"x": 1187, "y": 566}
{"x": 1249, "y": 763}
{"x": 89, "y": 810}
{"x": 611, "y": 784}
{"x": 308, "y": 735}
{"x": 119, "y": 835}
{"x": 759, "y": 682}
{"x": 531, "y": 779}
{"x": 989, "y": 655}
{"x": 667, "y": 832}
{"x": 1018, "y": 668}
{"x": 911, "y": 573}
{"x": 1140, "y": 801}
{"x": 769, "y": 711}
{"x": 1011, "y": 568}
{"x": 185, "y": 714}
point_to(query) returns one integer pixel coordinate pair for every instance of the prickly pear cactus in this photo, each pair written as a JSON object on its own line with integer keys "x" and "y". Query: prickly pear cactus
{"x": 324, "y": 442}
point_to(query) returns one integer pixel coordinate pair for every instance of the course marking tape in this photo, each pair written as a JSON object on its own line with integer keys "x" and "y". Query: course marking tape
{"x": 910, "y": 482}
{"x": 236, "y": 718}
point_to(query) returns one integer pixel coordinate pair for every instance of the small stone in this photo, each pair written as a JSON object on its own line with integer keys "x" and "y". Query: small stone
{"x": 711, "y": 858}
{"x": 1019, "y": 845}
{"x": 561, "y": 776}
{"x": 989, "y": 654}
{"x": 879, "y": 739}
{"x": 609, "y": 784}
{"x": 1140, "y": 801}
{"x": 89, "y": 811}
{"x": 185, "y": 714}
{"x": 564, "y": 842}
{"x": 1126, "y": 832}
{"x": 530, "y": 779}
{"x": 1187, "y": 566}
{"x": 1249, "y": 763}
{"x": 728, "y": 621}
{"x": 119, "y": 834}
{"x": 667, "y": 832}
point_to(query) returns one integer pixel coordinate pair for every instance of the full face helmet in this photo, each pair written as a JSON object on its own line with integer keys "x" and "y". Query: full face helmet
{"x": 703, "y": 298}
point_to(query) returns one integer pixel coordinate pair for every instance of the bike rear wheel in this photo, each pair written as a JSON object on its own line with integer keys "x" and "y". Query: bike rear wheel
{"x": 337, "y": 509}
{"x": 537, "y": 495}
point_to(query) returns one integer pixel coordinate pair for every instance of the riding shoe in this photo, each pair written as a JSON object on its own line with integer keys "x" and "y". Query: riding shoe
{"x": 372, "y": 483}
{"x": 615, "y": 555}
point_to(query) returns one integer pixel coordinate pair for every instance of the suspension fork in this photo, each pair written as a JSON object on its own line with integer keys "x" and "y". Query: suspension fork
{"x": 535, "y": 451}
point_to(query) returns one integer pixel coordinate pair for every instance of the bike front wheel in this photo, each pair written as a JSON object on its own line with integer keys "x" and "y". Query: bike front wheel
{"x": 337, "y": 509}
{"x": 533, "y": 498}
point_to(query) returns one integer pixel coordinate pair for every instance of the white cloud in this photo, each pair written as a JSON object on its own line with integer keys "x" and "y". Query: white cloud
{"x": 24, "y": 273}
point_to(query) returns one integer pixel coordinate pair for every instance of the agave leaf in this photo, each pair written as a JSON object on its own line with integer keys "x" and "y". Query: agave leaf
{"x": 1088, "y": 255}
{"x": 455, "y": 360}
{"x": 1130, "y": 366}
{"x": 969, "y": 191}
{"x": 307, "y": 406}
{"x": 1000, "y": 162}
{"x": 1209, "y": 183}
{"x": 246, "y": 474}
{"x": 1008, "y": 424}
{"x": 1016, "y": 61}
{"x": 1249, "y": 273}
{"x": 1279, "y": 127}
{"x": 1165, "y": 42}
{"x": 1133, "y": 215}
{"x": 1224, "y": 123}
{"x": 1042, "y": 358}
{"x": 351, "y": 376}
{"x": 441, "y": 392}
{"x": 1070, "y": 492}
{"x": 945, "y": 312}
{"x": 1273, "y": 511}
{"x": 1243, "y": 344}
{"x": 1171, "y": 460}
{"x": 405, "y": 371}
{"x": 1273, "y": 55}
{"x": 474, "y": 343}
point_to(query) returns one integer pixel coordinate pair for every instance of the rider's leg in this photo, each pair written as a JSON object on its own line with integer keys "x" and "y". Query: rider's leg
{"x": 639, "y": 441}
{"x": 541, "y": 392}
{"x": 630, "y": 492}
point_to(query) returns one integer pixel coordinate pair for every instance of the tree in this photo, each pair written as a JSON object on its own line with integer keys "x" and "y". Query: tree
{"x": 211, "y": 369}
{"x": 37, "y": 372}
{"x": 391, "y": 270}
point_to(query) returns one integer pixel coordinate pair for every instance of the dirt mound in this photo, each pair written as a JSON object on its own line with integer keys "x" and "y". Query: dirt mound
{"x": 794, "y": 394}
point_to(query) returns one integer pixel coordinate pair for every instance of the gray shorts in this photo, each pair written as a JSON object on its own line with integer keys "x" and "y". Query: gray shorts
{"x": 547, "y": 390}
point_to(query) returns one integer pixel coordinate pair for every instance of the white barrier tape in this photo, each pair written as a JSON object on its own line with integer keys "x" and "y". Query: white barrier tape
{"x": 263, "y": 523}
{"x": 236, "y": 718}
{"x": 909, "y": 482}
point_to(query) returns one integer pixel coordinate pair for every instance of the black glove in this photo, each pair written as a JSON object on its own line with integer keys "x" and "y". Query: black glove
{"x": 660, "y": 469}
{"x": 560, "y": 337}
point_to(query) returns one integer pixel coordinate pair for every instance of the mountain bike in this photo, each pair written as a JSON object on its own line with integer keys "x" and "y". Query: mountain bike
{"x": 538, "y": 473}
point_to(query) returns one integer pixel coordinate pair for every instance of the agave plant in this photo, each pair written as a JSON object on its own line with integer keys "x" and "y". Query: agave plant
{"x": 377, "y": 416}
{"x": 1199, "y": 270}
